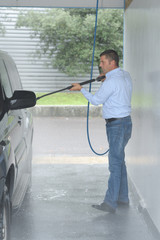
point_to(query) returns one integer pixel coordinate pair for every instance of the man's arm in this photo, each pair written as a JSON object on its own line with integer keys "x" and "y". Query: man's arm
{"x": 78, "y": 87}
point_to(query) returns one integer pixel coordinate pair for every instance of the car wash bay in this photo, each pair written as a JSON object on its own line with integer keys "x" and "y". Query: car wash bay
{"x": 67, "y": 180}
{"x": 141, "y": 59}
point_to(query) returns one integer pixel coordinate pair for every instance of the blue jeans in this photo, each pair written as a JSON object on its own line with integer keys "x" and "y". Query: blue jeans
{"x": 118, "y": 134}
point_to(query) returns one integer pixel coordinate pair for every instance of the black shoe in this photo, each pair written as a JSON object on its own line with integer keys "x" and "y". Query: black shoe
{"x": 104, "y": 207}
{"x": 124, "y": 204}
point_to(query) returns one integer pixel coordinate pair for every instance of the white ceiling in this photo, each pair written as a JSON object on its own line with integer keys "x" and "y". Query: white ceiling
{"x": 62, "y": 3}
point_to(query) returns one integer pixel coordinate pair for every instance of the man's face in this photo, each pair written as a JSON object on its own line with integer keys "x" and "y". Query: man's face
{"x": 106, "y": 64}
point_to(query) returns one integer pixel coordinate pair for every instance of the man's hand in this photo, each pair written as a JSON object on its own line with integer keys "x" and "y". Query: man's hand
{"x": 76, "y": 87}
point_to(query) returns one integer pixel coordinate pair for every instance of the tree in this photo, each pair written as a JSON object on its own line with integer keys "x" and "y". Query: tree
{"x": 66, "y": 36}
{"x": 2, "y": 29}
{"x": 3, "y": 18}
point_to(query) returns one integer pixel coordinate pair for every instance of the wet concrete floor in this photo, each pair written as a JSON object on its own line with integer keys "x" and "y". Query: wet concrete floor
{"x": 64, "y": 186}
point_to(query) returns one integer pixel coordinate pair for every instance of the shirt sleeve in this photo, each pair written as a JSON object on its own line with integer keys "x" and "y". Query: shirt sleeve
{"x": 101, "y": 95}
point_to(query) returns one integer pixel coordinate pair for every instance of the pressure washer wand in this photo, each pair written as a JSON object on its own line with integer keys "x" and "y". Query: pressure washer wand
{"x": 98, "y": 79}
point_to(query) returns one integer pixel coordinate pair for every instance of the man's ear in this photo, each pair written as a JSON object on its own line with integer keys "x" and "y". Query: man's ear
{"x": 113, "y": 63}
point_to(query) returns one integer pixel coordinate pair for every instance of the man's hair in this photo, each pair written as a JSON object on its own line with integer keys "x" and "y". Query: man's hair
{"x": 111, "y": 55}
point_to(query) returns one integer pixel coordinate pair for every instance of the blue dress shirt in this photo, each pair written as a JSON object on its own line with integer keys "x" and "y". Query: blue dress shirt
{"x": 115, "y": 94}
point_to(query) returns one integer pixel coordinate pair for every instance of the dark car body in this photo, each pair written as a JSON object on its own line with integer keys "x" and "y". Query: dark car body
{"x": 16, "y": 134}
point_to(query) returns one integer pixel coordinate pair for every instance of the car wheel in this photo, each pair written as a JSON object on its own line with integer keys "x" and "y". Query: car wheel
{"x": 5, "y": 216}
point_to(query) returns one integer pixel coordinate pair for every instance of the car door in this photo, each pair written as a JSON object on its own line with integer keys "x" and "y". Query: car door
{"x": 15, "y": 124}
{"x": 24, "y": 147}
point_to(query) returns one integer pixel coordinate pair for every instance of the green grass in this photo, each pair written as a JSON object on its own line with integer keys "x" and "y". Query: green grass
{"x": 62, "y": 99}
{"x": 142, "y": 101}
{"x": 77, "y": 98}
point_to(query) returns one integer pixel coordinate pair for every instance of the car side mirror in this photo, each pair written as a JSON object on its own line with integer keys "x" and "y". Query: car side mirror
{"x": 21, "y": 99}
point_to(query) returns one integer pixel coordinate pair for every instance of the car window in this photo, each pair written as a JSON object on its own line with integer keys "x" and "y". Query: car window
{"x": 13, "y": 74}
{"x": 5, "y": 80}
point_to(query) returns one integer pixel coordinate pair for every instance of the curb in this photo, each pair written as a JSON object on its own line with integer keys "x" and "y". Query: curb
{"x": 66, "y": 111}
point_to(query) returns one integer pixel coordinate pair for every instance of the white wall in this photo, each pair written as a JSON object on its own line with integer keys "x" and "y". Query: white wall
{"x": 142, "y": 60}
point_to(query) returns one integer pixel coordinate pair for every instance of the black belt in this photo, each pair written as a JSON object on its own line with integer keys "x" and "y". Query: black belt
{"x": 113, "y": 119}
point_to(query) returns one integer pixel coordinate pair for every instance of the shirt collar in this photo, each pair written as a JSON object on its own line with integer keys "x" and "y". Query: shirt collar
{"x": 110, "y": 73}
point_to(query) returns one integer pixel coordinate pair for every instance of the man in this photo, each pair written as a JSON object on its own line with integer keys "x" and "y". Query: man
{"x": 115, "y": 95}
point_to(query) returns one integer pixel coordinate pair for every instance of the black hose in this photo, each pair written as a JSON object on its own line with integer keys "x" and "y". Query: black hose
{"x": 69, "y": 87}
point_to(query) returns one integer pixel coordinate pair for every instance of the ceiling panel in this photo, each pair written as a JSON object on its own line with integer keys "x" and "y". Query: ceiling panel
{"x": 62, "y": 3}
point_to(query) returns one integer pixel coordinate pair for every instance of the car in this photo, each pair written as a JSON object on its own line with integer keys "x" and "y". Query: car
{"x": 16, "y": 134}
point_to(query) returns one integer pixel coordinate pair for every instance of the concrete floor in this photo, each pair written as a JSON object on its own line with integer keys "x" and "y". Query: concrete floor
{"x": 67, "y": 180}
